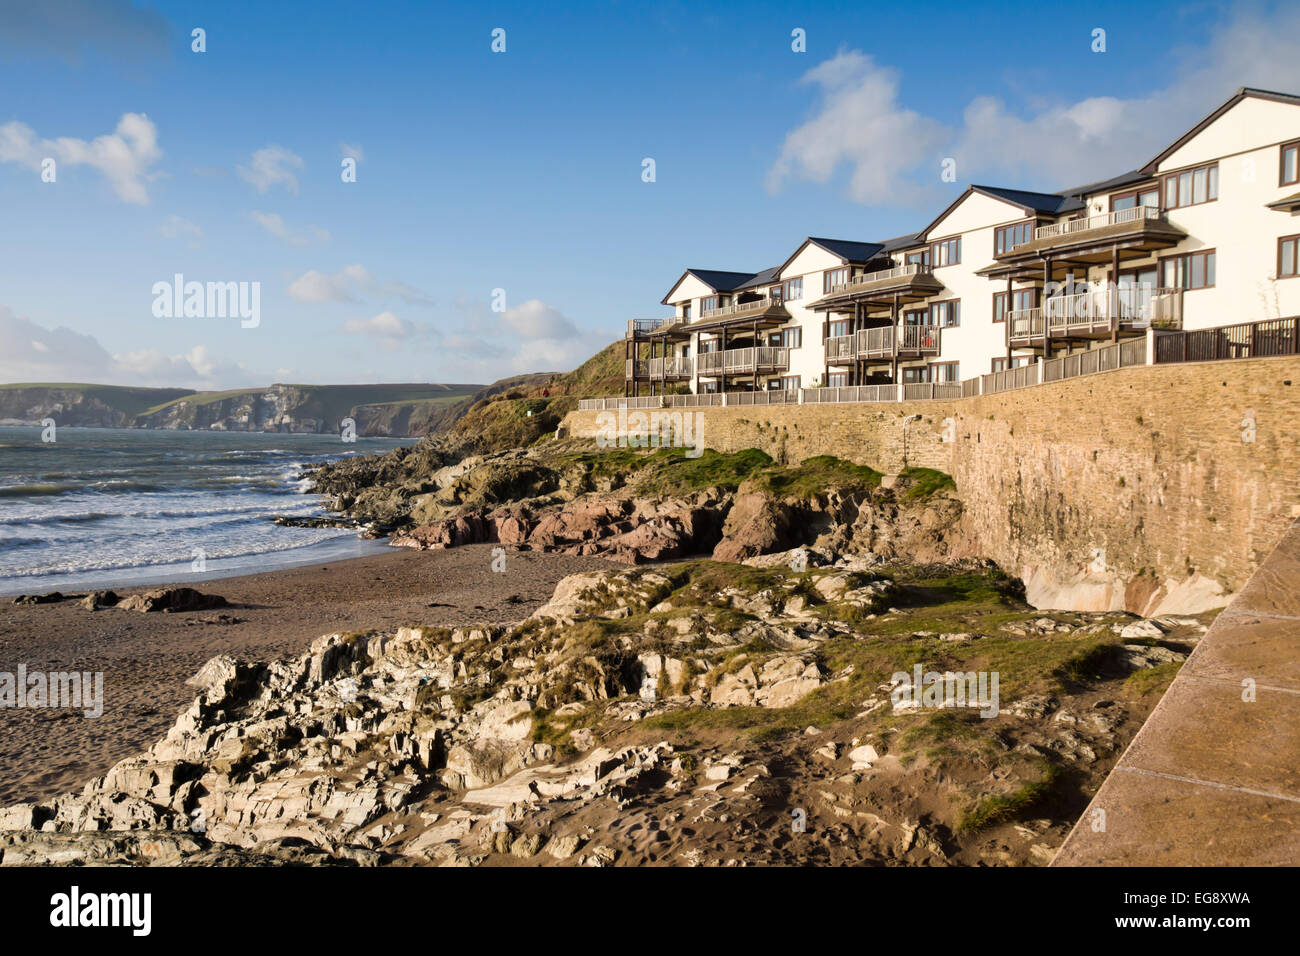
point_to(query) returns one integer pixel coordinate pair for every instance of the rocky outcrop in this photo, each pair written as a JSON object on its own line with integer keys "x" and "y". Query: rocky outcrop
{"x": 555, "y": 741}
{"x": 169, "y": 600}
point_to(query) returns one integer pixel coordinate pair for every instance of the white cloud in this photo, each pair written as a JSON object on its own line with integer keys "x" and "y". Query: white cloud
{"x": 32, "y": 353}
{"x": 123, "y": 157}
{"x": 861, "y": 125}
{"x": 536, "y": 320}
{"x": 271, "y": 166}
{"x": 176, "y": 227}
{"x": 386, "y": 328}
{"x": 530, "y": 337}
{"x": 892, "y": 155}
{"x": 351, "y": 284}
{"x": 274, "y": 223}
{"x": 314, "y": 286}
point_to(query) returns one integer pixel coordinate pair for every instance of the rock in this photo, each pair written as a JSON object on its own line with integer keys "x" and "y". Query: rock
{"x": 863, "y": 757}
{"x": 1141, "y": 629}
{"x": 97, "y": 599}
{"x": 1139, "y": 656}
{"x": 563, "y": 847}
{"x": 53, "y": 597}
{"x": 171, "y": 600}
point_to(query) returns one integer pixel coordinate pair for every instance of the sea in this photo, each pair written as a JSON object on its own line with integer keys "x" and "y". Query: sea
{"x": 104, "y": 507}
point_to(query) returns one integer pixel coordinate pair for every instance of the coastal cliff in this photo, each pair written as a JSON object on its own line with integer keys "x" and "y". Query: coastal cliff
{"x": 387, "y": 410}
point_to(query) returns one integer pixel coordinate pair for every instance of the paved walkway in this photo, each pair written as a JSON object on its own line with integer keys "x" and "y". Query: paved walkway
{"x": 1213, "y": 779}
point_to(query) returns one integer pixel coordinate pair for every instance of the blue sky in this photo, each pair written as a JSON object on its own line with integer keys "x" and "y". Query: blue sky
{"x": 522, "y": 170}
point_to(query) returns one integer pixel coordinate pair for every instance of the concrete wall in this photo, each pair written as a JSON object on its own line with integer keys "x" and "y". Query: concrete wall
{"x": 1129, "y": 489}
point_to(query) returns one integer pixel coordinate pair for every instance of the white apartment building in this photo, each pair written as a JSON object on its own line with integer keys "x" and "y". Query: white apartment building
{"x": 1205, "y": 234}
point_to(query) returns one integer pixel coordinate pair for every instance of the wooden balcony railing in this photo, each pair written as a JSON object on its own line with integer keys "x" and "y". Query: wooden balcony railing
{"x": 1137, "y": 307}
{"x": 742, "y": 308}
{"x": 869, "y": 278}
{"x": 743, "y": 361}
{"x": 1062, "y": 229}
{"x": 1025, "y": 324}
{"x": 879, "y": 343}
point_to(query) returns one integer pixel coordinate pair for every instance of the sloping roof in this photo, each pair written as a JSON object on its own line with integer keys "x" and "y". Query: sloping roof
{"x": 1241, "y": 94}
{"x": 849, "y": 250}
{"x": 1051, "y": 204}
{"x": 901, "y": 242}
{"x": 1106, "y": 185}
{"x": 1287, "y": 204}
{"x": 721, "y": 281}
{"x": 766, "y": 277}
{"x": 846, "y": 249}
{"x": 1030, "y": 203}
{"x": 715, "y": 279}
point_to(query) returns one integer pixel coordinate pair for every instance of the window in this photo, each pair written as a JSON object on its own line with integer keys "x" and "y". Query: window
{"x": 1140, "y": 197}
{"x": 708, "y": 303}
{"x": 1287, "y": 248}
{"x": 1192, "y": 271}
{"x": 918, "y": 373}
{"x": 790, "y": 382}
{"x": 685, "y": 351}
{"x": 686, "y": 312}
{"x": 945, "y": 372}
{"x": 999, "y": 365}
{"x": 838, "y": 327}
{"x": 1289, "y": 174}
{"x": 1019, "y": 299}
{"x": 945, "y": 315}
{"x": 916, "y": 317}
{"x": 837, "y": 380}
{"x": 785, "y": 338}
{"x": 792, "y": 289}
{"x": 946, "y": 252}
{"x": 1006, "y": 238}
{"x": 1192, "y": 187}
{"x": 921, "y": 258}
{"x": 834, "y": 277}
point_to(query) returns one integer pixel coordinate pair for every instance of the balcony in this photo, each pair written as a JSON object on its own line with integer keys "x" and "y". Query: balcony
{"x": 1099, "y": 312}
{"x": 748, "y": 361}
{"x": 910, "y": 281}
{"x": 639, "y": 328}
{"x": 672, "y": 368}
{"x": 912, "y": 340}
{"x": 1143, "y": 228}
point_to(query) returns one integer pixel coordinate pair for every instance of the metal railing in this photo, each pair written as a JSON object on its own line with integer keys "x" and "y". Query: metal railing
{"x": 637, "y": 327}
{"x": 1132, "y": 214}
{"x": 740, "y": 361}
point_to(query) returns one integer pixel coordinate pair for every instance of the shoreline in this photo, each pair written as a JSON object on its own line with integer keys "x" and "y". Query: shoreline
{"x": 344, "y": 547}
{"x": 147, "y": 657}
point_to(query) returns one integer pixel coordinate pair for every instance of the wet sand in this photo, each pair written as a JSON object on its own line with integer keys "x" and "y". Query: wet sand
{"x": 146, "y": 658}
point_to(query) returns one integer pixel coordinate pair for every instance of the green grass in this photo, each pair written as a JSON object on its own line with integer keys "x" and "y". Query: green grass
{"x": 1000, "y": 809}
{"x": 813, "y": 476}
{"x": 926, "y": 483}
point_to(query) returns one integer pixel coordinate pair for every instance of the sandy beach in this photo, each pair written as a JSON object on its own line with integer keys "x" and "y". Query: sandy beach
{"x": 147, "y": 657}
